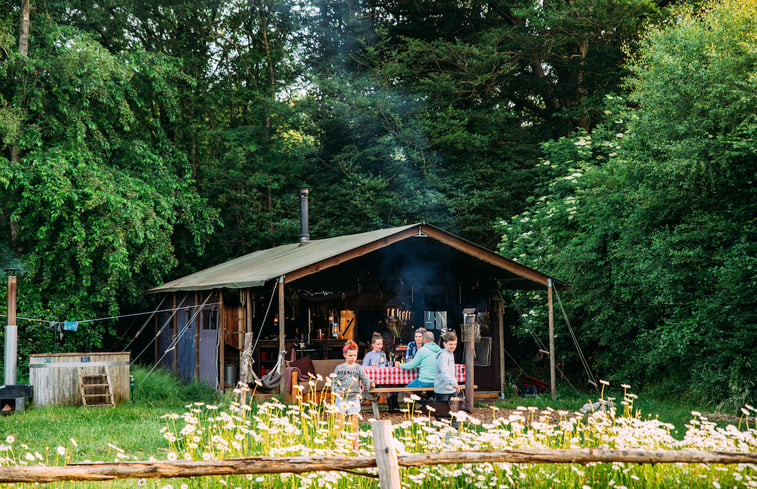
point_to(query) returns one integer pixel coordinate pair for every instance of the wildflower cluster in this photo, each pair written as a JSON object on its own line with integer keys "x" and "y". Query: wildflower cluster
{"x": 306, "y": 428}
{"x": 271, "y": 429}
{"x": 275, "y": 429}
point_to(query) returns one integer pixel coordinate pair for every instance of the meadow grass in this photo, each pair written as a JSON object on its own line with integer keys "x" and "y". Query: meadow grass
{"x": 180, "y": 422}
{"x": 131, "y": 426}
{"x": 676, "y": 412}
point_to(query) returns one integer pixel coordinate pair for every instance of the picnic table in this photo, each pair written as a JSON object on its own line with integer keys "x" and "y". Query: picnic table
{"x": 399, "y": 376}
{"x": 394, "y": 379}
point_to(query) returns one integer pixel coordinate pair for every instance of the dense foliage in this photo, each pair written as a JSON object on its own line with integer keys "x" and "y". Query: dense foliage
{"x": 134, "y": 133}
{"x": 91, "y": 207}
{"x": 651, "y": 216}
{"x": 439, "y": 116}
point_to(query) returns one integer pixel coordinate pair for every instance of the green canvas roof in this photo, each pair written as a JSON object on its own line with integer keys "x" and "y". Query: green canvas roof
{"x": 296, "y": 260}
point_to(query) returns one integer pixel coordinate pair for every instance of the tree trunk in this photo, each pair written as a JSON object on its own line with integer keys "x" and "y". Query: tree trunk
{"x": 263, "y": 17}
{"x": 23, "y": 50}
{"x": 585, "y": 120}
{"x": 23, "y": 38}
{"x": 271, "y": 72}
{"x": 539, "y": 73}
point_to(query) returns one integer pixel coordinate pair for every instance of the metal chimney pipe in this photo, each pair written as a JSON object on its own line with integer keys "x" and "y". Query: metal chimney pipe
{"x": 304, "y": 228}
{"x": 11, "y": 334}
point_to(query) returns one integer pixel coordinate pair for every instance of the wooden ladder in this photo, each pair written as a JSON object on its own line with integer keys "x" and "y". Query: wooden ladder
{"x": 96, "y": 389}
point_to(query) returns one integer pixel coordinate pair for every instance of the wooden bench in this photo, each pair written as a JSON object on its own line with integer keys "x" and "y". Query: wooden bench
{"x": 391, "y": 390}
{"x": 299, "y": 386}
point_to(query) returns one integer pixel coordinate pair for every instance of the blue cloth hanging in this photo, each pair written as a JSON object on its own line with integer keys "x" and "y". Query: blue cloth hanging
{"x": 70, "y": 325}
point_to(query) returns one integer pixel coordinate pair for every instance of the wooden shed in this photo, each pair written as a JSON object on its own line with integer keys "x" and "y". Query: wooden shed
{"x": 57, "y": 377}
{"x": 307, "y": 298}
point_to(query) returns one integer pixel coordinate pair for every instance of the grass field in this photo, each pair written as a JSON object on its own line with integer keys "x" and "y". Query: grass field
{"x": 170, "y": 420}
{"x": 131, "y": 426}
{"x": 135, "y": 426}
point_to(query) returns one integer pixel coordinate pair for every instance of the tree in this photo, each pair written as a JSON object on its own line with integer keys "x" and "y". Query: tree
{"x": 23, "y": 49}
{"x": 474, "y": 88}
{"x": 254, "y": 141}
{"x": 239, "y": 124}
{"x": 99, "y": 191}
{"x": 652, "y": 215}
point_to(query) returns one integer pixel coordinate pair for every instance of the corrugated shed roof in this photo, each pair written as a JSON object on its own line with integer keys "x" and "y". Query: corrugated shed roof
{"x": 298, "y": 260}
{"x": 255, "y": 269}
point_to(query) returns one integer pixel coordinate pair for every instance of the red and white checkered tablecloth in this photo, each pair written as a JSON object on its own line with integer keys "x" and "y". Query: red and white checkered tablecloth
{"x": 400, "y": 376}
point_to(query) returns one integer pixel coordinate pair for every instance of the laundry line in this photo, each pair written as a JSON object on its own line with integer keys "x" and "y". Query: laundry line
{"x": 108, "y": 318}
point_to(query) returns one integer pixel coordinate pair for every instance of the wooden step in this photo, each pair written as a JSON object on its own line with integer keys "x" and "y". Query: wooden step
{"x": 100, "y": 381}
{"x": 98, "y": 400}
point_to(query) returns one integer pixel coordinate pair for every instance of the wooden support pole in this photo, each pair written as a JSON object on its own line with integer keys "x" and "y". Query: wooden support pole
{"x": 221, "y": 341}
{"x": 246, "y": 358}
{"x": 174, "y": 323}
{"x": 469, "y": 367}
{"x": 11, "y": 335}
{"x": 550, "y": 307}
{"x": 198, "y": 318}
{"x": 248, "y": 316}
{"x": 244, "y": 367}
{"x": 99, "y": 471}
{"x": 282, "y": 313}
{"x": 502, "y": 370}
{"x": 282, "y": 323}
{"x": 386, "y": 455}
{"x": 156, "y": 340}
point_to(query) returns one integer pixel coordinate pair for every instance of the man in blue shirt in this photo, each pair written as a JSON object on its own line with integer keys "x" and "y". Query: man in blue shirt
{"x": 425, "y": 359}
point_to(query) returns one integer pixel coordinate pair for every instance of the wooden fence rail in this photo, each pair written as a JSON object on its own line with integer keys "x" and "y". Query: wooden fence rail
{"x": 388, "y": 475}
{"x": 166, "y": 469}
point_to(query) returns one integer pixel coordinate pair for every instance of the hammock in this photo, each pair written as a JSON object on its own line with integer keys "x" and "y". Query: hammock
{"x": 271, "y": 380}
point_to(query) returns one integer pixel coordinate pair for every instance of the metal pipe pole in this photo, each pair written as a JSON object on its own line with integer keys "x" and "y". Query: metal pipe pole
{"x": 304, "y": 227}
{"x": 11, "y": 334}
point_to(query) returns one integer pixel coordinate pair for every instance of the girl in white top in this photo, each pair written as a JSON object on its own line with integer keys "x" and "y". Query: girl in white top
{"x": 376, "y": 357}
{"x": 348, "y": 385}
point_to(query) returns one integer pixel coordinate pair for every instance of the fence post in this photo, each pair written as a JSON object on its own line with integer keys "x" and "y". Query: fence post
{"x": 386, "y": 455}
